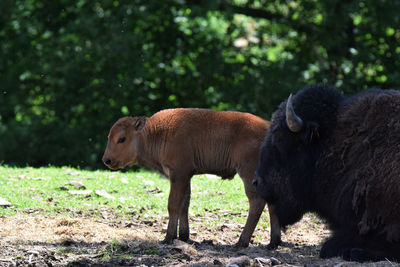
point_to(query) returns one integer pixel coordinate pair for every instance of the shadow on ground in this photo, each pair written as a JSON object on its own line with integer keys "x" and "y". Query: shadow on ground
{"x": 47, "y": 241}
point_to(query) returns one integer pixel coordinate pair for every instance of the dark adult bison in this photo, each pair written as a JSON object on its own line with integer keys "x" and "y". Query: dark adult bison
{"x": 340, "y": 158}
{"x": 182, "y": 142}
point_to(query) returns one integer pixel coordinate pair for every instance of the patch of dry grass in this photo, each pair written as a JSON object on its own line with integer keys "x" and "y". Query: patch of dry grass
{"x": 32, "y": 229}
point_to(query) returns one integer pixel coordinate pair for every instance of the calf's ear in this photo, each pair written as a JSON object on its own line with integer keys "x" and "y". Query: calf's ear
{"x": 139, "y": 123}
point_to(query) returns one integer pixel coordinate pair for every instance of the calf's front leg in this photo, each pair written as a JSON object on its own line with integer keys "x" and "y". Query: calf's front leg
{"x": 178, "y": 186}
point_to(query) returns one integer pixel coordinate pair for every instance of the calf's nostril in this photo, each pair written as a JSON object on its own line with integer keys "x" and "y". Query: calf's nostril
{"x": 107, "y": 161}
{"x": 255, "y": 182}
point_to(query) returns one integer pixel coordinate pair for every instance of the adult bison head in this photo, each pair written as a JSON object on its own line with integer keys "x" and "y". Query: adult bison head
{"x": 123, "y": 142}
{"x": 299, "y": 129}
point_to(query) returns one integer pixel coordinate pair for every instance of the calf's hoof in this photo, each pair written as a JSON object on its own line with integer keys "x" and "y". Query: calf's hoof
{"x": 273, "y": 244}
{"x": 167, "y": 240}
{"x": 184, "y": 238}
{"x": 241, "y": 244}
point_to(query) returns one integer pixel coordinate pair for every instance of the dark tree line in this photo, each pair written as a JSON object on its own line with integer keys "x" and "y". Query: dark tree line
{"x": 69, "y": 69}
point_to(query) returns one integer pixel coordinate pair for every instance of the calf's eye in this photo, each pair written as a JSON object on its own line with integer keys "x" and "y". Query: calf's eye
{"x": 121, "y": 140}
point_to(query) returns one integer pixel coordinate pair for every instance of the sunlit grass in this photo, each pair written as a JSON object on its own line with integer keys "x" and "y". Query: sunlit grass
{"x": 43, "y": 191}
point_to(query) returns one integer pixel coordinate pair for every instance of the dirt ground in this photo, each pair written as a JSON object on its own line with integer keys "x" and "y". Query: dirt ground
{"x": 34, "y": 240}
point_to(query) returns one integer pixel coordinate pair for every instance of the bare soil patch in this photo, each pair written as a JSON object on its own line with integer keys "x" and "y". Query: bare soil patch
{"x": 27, "y": 240}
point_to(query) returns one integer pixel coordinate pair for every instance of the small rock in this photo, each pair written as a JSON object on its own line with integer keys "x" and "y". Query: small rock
{"x": 80, "y": 192}
{"x": 184, "y": 247}
{"x": 77, "y": 184}
{"x": 154, "y": 190}
{"x": 131, "y": 224}
{"x": 31, "y": 211}
{"x": 239, "y": 262}
{"x": 261, "y": 262}
{"x": 103, "y": 193}
{"x": 275, "y": 261}
{"x": 4, "y": 203}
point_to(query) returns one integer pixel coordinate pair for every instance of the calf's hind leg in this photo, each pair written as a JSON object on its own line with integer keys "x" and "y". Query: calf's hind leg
{"x": 257, "y": 205}
{"x": 183, "y": 216}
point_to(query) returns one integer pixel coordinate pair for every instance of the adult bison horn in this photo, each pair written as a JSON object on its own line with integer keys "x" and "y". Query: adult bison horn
{"x": 294, "y": 122}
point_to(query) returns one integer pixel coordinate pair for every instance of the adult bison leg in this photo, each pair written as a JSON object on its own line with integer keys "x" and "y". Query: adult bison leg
{"x": 183, "y": 217}
{"x": 178, "y": 186}
{"x": 391, "y": 253}
{"x": 337, "y": 243}
{"x": 370, "y": 248}
{"x": 275, "y": 238}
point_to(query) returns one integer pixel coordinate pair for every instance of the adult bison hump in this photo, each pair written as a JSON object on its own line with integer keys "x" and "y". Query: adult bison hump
{"x": 367, "y": 143}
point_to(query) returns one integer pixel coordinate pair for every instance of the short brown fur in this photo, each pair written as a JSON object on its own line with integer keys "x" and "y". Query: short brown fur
{"x": 182, "y": 142}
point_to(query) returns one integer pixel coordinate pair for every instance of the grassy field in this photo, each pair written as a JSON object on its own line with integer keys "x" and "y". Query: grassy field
{"x": 47, "y": 191}
{"x": 48, "y": 223}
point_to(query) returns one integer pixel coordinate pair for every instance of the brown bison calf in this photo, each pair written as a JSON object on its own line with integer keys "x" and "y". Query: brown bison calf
{"x": 182, "y": 142}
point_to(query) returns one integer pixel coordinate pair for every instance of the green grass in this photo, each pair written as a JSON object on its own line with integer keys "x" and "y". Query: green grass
{"x": 37, "y": 191}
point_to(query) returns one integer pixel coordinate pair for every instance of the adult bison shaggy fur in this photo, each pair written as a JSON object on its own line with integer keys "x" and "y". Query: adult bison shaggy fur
{"x": 182, "y": 142}
{"x": 340, "y": 158}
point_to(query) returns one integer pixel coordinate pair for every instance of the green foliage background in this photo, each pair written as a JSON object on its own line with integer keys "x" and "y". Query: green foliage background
{"x": 69, "y": 69}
